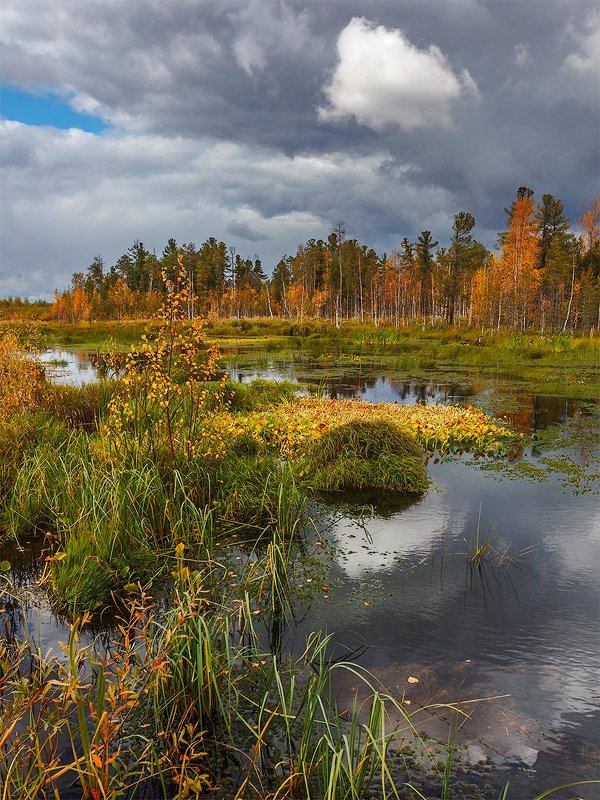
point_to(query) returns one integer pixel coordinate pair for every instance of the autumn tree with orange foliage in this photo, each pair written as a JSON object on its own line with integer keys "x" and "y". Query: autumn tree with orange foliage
{"x": 589, "y": 279}
{"x": 520, "y": 273}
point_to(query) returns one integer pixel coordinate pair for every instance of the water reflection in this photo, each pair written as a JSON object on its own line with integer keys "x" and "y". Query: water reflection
{"x": 72, "y": 367}
{"x": 527, "y": 627}
{"x": 524, "y": 410}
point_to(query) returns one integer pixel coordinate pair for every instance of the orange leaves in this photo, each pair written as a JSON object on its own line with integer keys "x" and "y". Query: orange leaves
{"x": 520, "y": 257}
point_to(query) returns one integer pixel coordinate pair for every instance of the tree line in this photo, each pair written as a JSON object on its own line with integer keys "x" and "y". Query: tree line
{"x": 541, "y": 275}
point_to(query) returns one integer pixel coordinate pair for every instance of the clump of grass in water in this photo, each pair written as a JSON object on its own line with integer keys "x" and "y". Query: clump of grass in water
{"x": 366, "y": 454}
{"x": 482, "y": 552}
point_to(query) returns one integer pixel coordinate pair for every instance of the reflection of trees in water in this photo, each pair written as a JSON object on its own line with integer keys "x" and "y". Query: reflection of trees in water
{"x": 539, "y": 412}
{"x": 106, "y": 365}
{"x": 383, "y": 389}
{"x": 83, "y": 359}
{"x": 360, "y": 503}
{"x": 26, "y": 559}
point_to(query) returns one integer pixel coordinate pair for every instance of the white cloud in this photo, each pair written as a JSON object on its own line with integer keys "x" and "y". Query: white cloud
{"x": 382, "y": 79}
{"x": 587, "y": 59}
{"x": 266, "y": 28}
{"x": 522, "y": 56}
{"x": 249, "y": 54}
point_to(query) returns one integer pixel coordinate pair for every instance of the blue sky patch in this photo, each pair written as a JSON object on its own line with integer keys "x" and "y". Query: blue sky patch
{"x": 47, "y": 109}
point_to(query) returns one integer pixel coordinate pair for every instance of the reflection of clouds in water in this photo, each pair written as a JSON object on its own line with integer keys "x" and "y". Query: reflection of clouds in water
{"x": 534, "y": 636}
{"x": 387, "y": 391}
{"x": 406, "y": 536}
{"x": 559, "y": 690}
{"x": 44, "y": 630}
{"x": 578, "y": 554}
{"x": 268, "y": 374}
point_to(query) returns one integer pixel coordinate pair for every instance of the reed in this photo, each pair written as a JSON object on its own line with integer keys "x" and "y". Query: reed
{"x": 153, "y": 484}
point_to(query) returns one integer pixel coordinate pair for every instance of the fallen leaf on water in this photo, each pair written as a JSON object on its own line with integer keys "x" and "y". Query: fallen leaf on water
{"x": 412, "y": 680}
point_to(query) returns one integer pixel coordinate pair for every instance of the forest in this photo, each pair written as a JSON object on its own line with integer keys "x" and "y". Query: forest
{"x": 541, "y": 276}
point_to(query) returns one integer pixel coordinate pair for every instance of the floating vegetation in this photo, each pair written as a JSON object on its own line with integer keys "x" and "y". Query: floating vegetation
{"x": 569, "y": 452}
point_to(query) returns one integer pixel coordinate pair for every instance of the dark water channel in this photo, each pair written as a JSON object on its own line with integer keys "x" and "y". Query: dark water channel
{"x": 521, "y": 624}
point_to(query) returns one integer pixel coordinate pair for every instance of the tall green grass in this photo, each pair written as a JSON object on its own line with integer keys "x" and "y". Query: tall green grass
{"x": 189, "y": 696}
{"x": 189, "y": 700}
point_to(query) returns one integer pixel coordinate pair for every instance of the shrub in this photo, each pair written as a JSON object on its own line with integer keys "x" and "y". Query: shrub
{"x": 22, "y": 379}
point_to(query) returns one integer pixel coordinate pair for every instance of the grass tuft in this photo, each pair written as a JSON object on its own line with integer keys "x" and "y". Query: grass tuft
{"x": 365, "y": 454}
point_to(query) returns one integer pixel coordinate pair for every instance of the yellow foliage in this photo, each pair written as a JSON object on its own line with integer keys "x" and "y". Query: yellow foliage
{"x": 289, "y": 428}
{"x": 160, "y": 403}
{"x": 22, "y": 377}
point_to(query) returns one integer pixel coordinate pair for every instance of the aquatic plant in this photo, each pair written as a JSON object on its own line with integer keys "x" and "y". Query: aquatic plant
{"x": 440, "y": 428}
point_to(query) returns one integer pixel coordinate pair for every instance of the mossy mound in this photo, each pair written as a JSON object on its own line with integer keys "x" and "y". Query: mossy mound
{"x": 363, "y": 454}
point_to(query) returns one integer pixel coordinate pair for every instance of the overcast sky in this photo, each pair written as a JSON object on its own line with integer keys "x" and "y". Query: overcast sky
{"x": 264, "y": 122}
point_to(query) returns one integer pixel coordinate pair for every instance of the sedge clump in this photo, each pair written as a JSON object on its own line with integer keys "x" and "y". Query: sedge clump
{"x": 365, "y": 454}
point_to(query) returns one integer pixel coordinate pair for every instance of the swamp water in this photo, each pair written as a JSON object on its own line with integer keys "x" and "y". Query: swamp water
{"x": 485, "y": 589}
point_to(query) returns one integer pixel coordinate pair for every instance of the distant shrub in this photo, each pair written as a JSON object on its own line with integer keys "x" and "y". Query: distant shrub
{"x": 22, "y": 377}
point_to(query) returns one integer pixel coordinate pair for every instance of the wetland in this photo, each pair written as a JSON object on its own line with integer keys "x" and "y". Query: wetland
{"x": 466, "y": 606}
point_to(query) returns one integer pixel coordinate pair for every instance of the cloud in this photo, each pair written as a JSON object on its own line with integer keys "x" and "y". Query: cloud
{"x": 382, "y": 79}
{"x": 212, "y": 114}
{"x": 248, "y": 53}
{"x": 152, "y": 188}
{"x": 265, "y": 29}
{"x": 242, "y": 230}
{"x": 586, "y": 61}
{"x": 522, "y": 56}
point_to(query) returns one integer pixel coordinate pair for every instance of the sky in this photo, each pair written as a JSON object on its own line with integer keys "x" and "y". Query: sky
{"x": 264, "y": 122}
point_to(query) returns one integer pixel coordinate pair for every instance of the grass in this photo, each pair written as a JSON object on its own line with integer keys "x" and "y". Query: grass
{"x": 366, "y": 454}
{"x": 352, "y": 338}
{"x": 119, "y": 471}
{"x": 189, "y": 702}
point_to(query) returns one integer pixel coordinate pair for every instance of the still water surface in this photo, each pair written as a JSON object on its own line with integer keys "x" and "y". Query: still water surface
{"x": 521, "y": 626}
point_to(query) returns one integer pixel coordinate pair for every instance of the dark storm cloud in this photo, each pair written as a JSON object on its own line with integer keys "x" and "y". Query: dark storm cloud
{"x": 513, "y": 100}
{"x": 242, "y": 230}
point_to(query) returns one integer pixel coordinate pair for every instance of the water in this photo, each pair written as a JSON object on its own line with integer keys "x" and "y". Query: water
{"x": 521, "y": 625}
{"x": 74, "y": 368}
